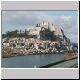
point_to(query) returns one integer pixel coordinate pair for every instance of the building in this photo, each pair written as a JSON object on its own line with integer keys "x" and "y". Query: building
{"x": 45, "y": 31}
{"x": 34, "y": 31}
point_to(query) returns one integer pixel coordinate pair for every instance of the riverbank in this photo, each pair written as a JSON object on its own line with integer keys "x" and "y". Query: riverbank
{"x": 7, "y": 56}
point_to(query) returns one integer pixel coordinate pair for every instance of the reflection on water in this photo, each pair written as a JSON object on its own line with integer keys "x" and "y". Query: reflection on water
{"x": 31, "y": 61}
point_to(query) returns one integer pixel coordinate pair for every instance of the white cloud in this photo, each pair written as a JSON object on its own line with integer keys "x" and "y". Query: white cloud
{"x": 12, "y": 20}
{"x": 67, "y": 18}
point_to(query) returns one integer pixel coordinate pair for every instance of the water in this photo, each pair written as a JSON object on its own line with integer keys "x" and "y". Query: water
{"x": 30, "y": 61}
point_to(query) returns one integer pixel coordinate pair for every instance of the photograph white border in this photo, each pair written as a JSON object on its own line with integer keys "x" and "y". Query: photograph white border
{"x": 47, "y": 68}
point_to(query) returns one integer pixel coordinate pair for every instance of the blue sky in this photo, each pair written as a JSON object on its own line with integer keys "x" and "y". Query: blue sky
{"x": 67, "y": 20}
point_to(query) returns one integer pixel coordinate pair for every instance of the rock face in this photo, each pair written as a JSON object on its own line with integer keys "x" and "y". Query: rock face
{"x": 7, "y": 52}
{"x": 69, "y": 55}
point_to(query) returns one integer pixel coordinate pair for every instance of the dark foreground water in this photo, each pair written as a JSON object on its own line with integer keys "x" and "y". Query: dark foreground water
{"x": 30, "y": 61}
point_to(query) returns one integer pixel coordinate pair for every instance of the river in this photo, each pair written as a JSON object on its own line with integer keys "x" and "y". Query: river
{"x": 30, "y": 61}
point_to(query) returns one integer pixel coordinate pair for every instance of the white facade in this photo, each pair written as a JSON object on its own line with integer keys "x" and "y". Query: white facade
{"x": 5, "y": 44}
{"x": 34, "y": 30}
{"x": 52, "y": 27}
{"x": 44, "y": 24}
{"x": 58, "y": 31}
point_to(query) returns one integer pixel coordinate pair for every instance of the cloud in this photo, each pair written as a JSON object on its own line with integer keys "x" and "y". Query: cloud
{"x": 66, "y": 18}
{"x": 12, "y": 20}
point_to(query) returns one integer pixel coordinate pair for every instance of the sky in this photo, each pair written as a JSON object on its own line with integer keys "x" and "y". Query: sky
{"x": 67, "y": 20}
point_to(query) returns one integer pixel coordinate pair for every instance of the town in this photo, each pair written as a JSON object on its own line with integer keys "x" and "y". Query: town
{"x": 44, "y": 38}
